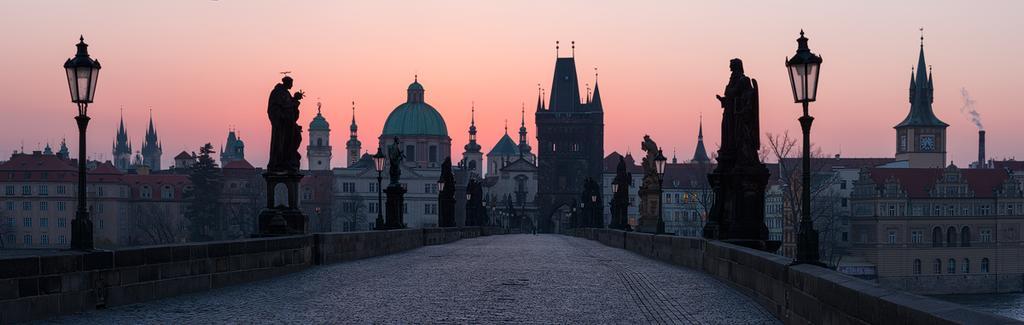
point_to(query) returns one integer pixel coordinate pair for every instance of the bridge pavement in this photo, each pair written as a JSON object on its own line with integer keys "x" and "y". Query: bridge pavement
{"x": 494, "y": 279}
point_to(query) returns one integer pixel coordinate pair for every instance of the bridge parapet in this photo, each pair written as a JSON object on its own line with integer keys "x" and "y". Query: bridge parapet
{"x": 41, "y": 286}
{"x": 795, "y": 294}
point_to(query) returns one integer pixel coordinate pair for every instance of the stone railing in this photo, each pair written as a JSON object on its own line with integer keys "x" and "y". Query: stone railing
{"x": 37, "y": 287}
{"x": 795, "y": 294}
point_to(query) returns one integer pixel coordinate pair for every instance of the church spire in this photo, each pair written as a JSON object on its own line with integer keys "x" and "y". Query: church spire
{"x": 921, "y": 95}
{"x": 700, "y": 154}
{"x": 472, "y": 146}
{"x": 524, "y": 145}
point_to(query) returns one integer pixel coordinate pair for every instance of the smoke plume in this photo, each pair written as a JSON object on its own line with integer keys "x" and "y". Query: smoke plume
{"x": 968, "y": 109}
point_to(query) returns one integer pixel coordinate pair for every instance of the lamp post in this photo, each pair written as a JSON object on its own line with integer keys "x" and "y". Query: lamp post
{"x": 82, "y": 72}
{"x": 659, "y": 164}
{"x": 378, "y": 164}
{"x": 803, "y": 78}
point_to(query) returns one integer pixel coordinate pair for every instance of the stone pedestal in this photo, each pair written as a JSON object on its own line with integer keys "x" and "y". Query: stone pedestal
{"x": 285, "y": 219}
{"x": 395, "y": 207}
{"x": 650, "y": 206}
{"x": 737, "y": 215}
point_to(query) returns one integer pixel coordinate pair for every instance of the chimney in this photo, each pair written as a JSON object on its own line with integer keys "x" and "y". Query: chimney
{"x": 981, "y": 149}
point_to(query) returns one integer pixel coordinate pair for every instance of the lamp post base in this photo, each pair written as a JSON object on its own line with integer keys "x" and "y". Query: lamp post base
{"x": 807, "y": 245}
{"x": 81, "y": 232}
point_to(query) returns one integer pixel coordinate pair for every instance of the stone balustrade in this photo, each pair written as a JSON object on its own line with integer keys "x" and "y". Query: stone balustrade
{"x": 795, "y": 294}
{"x": 37, "y": 287}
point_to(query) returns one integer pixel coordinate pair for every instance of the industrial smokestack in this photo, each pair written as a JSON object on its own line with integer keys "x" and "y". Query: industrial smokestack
{"x": 981, "y": 149}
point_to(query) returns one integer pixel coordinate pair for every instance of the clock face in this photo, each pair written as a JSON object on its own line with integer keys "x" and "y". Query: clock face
{"x": 927, "y": 143}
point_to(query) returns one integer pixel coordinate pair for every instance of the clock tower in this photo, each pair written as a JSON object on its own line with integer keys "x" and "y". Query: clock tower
{"x": 921, "y": 137}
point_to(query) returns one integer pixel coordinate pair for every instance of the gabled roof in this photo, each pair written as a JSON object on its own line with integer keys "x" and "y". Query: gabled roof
{"x": 183, "y": 155}
{"x": 239, "y": 164}
{"x": 504, "y": 147}
{"x": 1009, "y": 164}
{"x": 611, "y": 163}
{"x": 520, "y": 164}
{"x": 917, "y": 182}
{"x": 687, "y": 175}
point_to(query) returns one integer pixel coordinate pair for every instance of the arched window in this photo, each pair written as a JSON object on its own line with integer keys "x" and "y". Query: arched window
{"x": 951, "y": 267}
{"x": 410, "y": 152}
{"x": 917, "y": 266}
{"x": 951, "y": 237}
{"x": 319, "y": 141}
{"x": 937, "y": 237}
{"x": 984, "y": 265}
{"x": 937, "y": 266}
{"x": 146, "y": 192}
{"x": 965, "y": 236}
{"x": 966, "y": 268}
{"x": 167, "y": 192}
{"x": 472, "y": 165}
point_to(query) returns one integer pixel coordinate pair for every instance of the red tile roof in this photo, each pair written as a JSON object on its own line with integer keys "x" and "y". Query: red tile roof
{"x": 1009, "y": 164}
{"x": 917, "y": 182}
{"x": 156, "y": 182}
{"x": 37, "y": 162}
{"x": 239, "y": 164}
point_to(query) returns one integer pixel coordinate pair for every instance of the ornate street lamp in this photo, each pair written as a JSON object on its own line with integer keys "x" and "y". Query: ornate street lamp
{"x": 378, "y": 164}
{"x": 803, "y": 78}
{"x": 82, "y": 72}
{"x": 659, "y": 164}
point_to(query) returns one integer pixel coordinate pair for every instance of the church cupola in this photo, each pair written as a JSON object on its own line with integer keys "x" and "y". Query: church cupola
{"x": 472, "y": 156}
{"x": 524, "y": 144}
{"x": 319, "y": 149}
{"x": 415, "y": 91}
{"x": 353, "y": 146}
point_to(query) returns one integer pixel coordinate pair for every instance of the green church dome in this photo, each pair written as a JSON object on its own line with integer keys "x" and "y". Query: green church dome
{"x": 415, "y": 117}
{"x": 319, "y": 123}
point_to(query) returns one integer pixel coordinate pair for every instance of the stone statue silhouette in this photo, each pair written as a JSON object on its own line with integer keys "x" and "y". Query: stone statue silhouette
{"x": 285, "y": 134}
{"x": 740, "y": 122}
{"x": 395, "y": 157}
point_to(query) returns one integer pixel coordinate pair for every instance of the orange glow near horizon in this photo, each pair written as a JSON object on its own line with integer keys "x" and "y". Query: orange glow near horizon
{"x": 205, "y": 66}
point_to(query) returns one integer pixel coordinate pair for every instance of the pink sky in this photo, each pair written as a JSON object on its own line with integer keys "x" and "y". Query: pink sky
{"x": 205, "y": 66}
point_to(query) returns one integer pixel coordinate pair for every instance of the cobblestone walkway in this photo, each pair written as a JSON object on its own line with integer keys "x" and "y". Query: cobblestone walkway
{"x": 531, "y": 279}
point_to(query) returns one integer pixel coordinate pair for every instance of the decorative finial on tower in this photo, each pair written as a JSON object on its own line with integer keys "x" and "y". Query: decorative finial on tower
{"x": 506, "y": 126}
{"x": 556, "y": 49}
{"x": 522, "y": 114}
{"x": 588, "y": 91}
{"x": 472, "y": 113}
{"x": 922, "y": 36}
{"x": 416, "y": 78}
{"x": 81, "y": 38}
{"x": 353, "y": 110}
{"x": 595, "y": 74}
{"x": 574, "y": 49}
{"x": 318, "y": 106}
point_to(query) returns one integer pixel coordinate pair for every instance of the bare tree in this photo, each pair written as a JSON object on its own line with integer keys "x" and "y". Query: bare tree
{"x": 155, "y": 225}
{"x": 824, "y": 208}
{"x": 352, "y": 211}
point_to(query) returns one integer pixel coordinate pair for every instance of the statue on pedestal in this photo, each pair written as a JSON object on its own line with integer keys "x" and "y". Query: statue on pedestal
{"x": 650, "y": 189}
{"x": 395, "y": 191}
{"x": 283, "y": 165}
{"x": 740, "y": 179}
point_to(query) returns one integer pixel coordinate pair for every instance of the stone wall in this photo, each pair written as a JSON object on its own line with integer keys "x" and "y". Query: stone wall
{"x": 37, "y": 287}
{"x": 796, "y": 294}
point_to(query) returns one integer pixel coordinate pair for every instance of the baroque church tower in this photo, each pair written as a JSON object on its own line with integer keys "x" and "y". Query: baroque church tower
{"x": 353, "y": 146}
{"x": 921, "y": 137}
{"x": 318, "y": 152}
{"x": 524, "y": 144}
{"x": 152, "y": 149}
{"x": 473, "y": 157}
{"x": 122, "y": 148}
{"x": 570, "y": 143}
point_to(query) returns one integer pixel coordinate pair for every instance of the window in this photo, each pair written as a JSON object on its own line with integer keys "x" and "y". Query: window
{"x": 1009, "y": 209}
{"x": 917, "y": 266}
{"x": 984, "y": 265}
{"x": 965, "y": 236}
{"x": 430, "y": 188}
{"x": 62, "y": 222}
{"x": 842, "y": 185}
{"x": 167, "y": 192}
{"x": 99, "y": 223}
{"x": 892, "y": 210}
{"x": 146, "y": 192}
{"x": 44, "y": 222}
{"x": 430, "y": 209}
{"x": 845, "y": 202}
{"x": 985, "y": 210}
{"x": 99, "y": 190}
{"x": 372, "y": 207}
{"x": 373, "y": 187}
{"x": 28, "y": 240}
{"x": 26, "y": 222}
{"x": 44, "y": 206}
{"x": 937, "y": 266}
{"x": 892, "y": 237}
{"x": 348, "y": 207}
{"x": 348, "y": 187}
{"x": 44, "y": 239}
{"x": 61, "y": 189}
{"x": 916, "y": 237}
{"x": 10, "y": 205}
{"x": 846, "y": 235}
{"x": 410, "y": 152}
{"x": 951, "y": 237}
{"x": 26, "y": 190}
{"x": 27, "y": 206}
{"x": 938, "y": 210}
{"x": 44, "y": 190}
{"x": 986, "y": 236}
{"x": 319, "y": 141}
{"x": 307, "y": 194}
{"x": 966, "y": 268}
{"x": 432, "y": 154}
{"x": 9, "y": 190}
{"x": 61, "y": 240}
{"x": 61, "y": 206}
{"x": 11, "y": 222}
{"x": 951, "y": 267}
{"x": 936, "y": 237}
